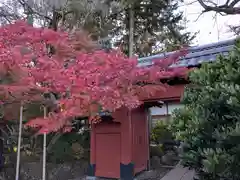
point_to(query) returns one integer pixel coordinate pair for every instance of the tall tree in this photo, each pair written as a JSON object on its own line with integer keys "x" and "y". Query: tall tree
{"x": 157, "y": 27}
{"x": 69, "y": 14}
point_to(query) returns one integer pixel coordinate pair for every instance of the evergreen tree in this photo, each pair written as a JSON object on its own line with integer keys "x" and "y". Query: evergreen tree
{"x": 158, "y": 27}
{"x": 209, "y": 124}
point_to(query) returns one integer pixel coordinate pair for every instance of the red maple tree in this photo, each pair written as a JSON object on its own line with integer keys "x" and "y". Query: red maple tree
{"x": 86, "y": 80}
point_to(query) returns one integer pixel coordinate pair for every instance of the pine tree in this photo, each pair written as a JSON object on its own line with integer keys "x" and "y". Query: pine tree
{"x": 157, "y": 27}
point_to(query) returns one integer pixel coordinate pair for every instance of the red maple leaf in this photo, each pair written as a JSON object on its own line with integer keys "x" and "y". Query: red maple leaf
{"x": 86, "y": 81}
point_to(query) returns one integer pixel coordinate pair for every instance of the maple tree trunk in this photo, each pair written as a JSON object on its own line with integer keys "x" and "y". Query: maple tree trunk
{"x": 53, "y": 141}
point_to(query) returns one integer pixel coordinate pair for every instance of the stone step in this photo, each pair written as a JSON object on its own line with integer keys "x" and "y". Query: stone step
{"x": 179, "y": 173}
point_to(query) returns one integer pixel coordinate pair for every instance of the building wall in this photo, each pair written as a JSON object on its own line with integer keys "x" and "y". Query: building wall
{"x": 163, "y": 113}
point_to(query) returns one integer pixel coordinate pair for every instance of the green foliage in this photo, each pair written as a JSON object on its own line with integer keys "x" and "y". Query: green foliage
{"x": 163, "y": 137}
{"x": 210, "y": 122}
{"x": 160, "y": 133}
{"x": 70, "y": 146}
{"x": 180, "y": 122}
{"x": 156, "y": 151}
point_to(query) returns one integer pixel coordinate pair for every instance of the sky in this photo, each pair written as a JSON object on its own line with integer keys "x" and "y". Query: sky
{"x": 210, "y": 29}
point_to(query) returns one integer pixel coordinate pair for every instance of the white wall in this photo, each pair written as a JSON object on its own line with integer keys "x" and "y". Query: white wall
{"x": 159, "y": 111}
{"x": 166, "y": 109}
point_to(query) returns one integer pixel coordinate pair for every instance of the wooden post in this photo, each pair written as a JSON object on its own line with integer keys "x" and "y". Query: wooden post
{"x": 149, "y": 123}
{"x": 19, "y": 142}
{"x": 44, "y": 148}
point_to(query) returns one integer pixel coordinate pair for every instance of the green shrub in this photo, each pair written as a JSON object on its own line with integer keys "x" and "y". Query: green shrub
{"x": 163, "y": 137}
{"x": 156, "y": 151}
{"x": 69, "y": 147}
{"x": 160, "y": 133}
{"x": 209, "y": 125}
{"x": 180, "y": 122}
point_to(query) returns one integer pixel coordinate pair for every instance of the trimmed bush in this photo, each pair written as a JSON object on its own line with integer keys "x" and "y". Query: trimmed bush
{"x": 209, "y": 124}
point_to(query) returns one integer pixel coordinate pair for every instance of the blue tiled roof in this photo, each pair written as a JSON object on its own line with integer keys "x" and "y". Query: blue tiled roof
{"x": 196, "y": 55}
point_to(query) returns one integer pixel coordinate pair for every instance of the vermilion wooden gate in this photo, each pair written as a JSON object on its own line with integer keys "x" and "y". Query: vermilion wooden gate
{"x": 119, "y": 148}
{"x": 108, "y": 150}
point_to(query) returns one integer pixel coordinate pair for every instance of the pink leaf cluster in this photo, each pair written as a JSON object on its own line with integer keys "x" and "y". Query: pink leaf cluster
{"x": 86, "y": 82}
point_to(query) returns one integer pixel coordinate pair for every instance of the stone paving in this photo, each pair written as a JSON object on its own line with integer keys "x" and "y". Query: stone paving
{"x": 179, "y": 173}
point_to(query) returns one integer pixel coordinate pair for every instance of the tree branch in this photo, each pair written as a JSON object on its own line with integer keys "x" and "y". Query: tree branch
{"x": 7, "y": 15}
{"x": 25, "y": 4}
{"x": 53, "y": 141}
{"x": 232, "y": 4}
{"x": 226, "y": 9}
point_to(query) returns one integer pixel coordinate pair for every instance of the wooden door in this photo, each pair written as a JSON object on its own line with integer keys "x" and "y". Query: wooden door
{"x": 108, "y": 155}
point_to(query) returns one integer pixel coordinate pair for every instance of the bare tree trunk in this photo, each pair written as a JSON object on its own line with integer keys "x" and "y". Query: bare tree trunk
{"x": 131, "y": 30}
{"x": 29, "y": 13}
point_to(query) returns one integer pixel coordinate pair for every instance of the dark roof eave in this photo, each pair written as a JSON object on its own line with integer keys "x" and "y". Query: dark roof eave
{"x": 196, "y": 55}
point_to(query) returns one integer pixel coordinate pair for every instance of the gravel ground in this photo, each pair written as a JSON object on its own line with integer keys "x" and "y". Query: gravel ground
{"x": 153, "y": 174}
{"x": 156, "y": 174}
